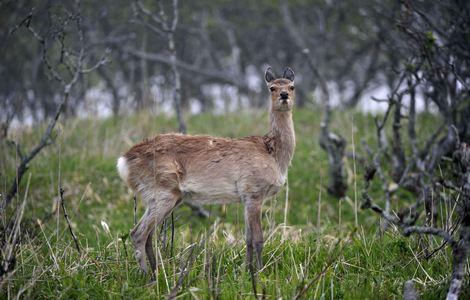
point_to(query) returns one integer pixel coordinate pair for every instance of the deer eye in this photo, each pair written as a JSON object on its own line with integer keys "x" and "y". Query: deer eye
{"x": 272, "y": 89}
{"x": 292, "y": 88}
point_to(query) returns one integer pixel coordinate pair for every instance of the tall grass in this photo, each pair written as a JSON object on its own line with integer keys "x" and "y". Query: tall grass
{"x": 315, "y": 245}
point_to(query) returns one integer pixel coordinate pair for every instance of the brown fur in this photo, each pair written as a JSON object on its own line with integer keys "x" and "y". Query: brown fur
{"x": 171, "y": 168}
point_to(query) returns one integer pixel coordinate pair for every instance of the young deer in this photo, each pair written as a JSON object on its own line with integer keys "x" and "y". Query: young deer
{"x": 171, "y": 168}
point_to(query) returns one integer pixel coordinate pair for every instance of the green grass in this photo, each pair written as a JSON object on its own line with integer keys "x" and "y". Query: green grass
{"x": 323, "y": 248}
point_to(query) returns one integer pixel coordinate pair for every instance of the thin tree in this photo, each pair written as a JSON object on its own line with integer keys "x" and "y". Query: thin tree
{"x": 74, "y": 60}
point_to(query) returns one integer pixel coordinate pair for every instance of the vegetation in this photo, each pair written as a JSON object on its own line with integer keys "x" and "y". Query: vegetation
{"x": 65, "y": 215}
{"x": 320, "y": 248}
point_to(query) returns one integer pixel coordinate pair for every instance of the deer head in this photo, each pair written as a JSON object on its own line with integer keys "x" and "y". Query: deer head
{"x": 281, "y": 89}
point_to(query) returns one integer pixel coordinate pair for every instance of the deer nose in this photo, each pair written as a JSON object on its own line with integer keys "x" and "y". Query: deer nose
{"x": 284, "y": 95}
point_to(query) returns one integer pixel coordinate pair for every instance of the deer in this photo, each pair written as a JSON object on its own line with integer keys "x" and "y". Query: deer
{"x": 169, "y": 169}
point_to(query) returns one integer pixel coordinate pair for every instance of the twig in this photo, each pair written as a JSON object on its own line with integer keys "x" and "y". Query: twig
{"x": 152, "y": 16}
{"x": 377, "y": 168}
{"x": 223, "y": 76}
{"x": 172, "y": 233}
{"x": 398, "y": 153}
{"x": 62, "y": 203}
{"x": 444, "y": 243}
{"x": 8, "y": 253}
{"x": 429, "y": 230}
{"x": 184, "y": 270}
{"x": 307, "y": 286}
{"x": 135, "y": 209}
{"x": 286, "y": 206}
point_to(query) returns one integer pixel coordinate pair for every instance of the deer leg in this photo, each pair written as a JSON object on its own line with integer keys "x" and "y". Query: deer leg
{"x": 157, "y": 210}
{"x": 151, "y": 256}
{"x": 139, "y": 237}
{"x": 254, "y": 232}
{"x": 249, "y": 244}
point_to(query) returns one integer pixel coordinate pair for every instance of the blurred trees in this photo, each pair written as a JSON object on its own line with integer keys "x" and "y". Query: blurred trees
{"x": 221, "y": 48}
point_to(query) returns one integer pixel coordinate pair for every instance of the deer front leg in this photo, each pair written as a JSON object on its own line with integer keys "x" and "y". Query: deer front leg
{"x": 254, "y": 233}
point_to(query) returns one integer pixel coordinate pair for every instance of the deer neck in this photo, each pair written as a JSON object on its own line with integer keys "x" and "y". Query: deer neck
{"x": 282, "y": 138}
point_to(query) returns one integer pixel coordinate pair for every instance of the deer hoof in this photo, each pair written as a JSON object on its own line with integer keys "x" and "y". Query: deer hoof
{"x": 140, "y": 257}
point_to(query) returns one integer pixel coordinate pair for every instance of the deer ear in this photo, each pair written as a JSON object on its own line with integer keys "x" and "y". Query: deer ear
{"x": 269, "y": 75}
{"x": 289, "y": 74}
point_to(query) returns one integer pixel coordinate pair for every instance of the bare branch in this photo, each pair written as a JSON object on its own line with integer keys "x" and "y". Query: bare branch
{"x": 184, "y": 270}
{"x": 383, "y": 179}
{"x": 328, "y": 265}
{"x": 66, "y": 216}
{"x": 229, "y": 78}
{"x": 152, "y": 16}
{"x": 429, "y": 230}
{"x": 398, "y": 153}
{"x": 174, "y": 23}
{"x": 102, "y": 61}
{"x": 8, "y": 252}
{"x": 45, "y": 139}
{"x": 153, "y": 28}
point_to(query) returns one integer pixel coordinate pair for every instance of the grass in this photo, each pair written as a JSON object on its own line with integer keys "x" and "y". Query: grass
{"x": 320, "y": 246}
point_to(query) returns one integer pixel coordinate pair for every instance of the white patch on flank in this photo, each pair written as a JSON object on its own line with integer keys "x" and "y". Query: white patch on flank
{"x": 123, "y": 170}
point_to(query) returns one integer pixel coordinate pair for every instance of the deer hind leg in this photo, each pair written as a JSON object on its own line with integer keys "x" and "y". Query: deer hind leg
{"x": 158, "y": 207}
{"x": 151, "y": 255}
{"x": 254, "y": 233}
{"x": 249, "y": 243}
